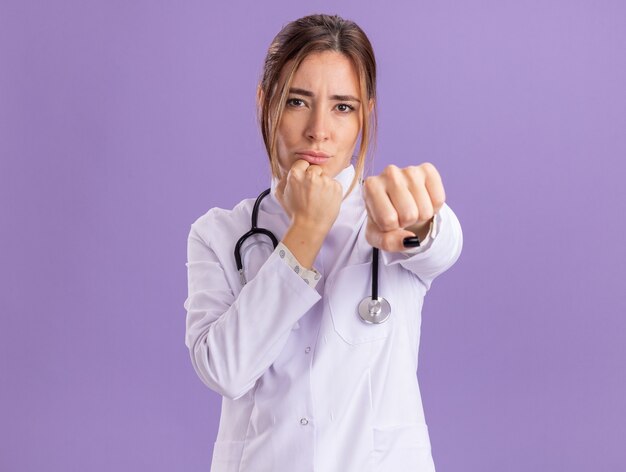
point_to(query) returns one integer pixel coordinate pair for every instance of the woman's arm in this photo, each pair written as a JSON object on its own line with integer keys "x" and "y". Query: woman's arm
{"x": 304, "y": 241}
{"x": 233, "y": 341}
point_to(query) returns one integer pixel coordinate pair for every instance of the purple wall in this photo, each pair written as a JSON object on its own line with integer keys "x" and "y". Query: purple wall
{"x": 122, "y": 122}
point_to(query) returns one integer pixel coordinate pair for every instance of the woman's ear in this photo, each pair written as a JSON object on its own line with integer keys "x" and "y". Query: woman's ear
{"x": 371, "y": 105}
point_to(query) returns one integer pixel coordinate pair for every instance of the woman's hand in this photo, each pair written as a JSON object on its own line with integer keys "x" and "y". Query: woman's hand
{"x": 312, "y": 201}
{"x": 310, "y": 198}
{"x": 401, "y": 203}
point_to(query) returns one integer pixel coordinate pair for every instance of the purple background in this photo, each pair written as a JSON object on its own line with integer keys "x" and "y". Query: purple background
{"x": 122, "y": 122}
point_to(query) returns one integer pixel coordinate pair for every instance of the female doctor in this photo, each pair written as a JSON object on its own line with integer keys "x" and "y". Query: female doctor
{"x": 312, "y": 379}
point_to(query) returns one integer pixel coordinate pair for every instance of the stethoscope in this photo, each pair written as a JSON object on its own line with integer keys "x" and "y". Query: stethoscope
{"x": 372, "y": 309}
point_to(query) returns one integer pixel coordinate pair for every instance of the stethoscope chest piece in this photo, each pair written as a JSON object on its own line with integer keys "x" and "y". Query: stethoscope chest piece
{"x": 374, "y": 311}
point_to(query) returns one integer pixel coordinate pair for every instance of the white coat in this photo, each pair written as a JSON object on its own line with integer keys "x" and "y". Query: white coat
{"x": 307, "y": 385}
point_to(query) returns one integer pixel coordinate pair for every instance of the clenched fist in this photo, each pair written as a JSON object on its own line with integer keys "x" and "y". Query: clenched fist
{"x": 401, "y": 203}
{"x": 310, "y": 197}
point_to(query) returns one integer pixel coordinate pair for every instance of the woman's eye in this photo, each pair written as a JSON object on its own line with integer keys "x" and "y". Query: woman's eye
{"x": 295, "y": 102}
{"x": 344, "y": 107}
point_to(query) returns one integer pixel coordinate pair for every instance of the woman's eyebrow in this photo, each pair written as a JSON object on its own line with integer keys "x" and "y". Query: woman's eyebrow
{"x": 307, "y": 93}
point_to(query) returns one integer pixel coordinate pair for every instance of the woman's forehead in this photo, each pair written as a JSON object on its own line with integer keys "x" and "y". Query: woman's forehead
{"x": 330, "y": 68}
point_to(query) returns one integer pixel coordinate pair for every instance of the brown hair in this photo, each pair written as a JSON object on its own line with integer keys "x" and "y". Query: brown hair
{"x": 298, "y": 39}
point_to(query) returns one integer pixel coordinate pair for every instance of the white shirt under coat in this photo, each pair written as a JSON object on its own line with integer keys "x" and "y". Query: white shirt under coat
{"x": 306, "y": 384}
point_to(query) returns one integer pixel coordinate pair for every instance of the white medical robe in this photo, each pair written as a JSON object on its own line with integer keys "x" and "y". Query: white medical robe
{"x": 306, "y": 384}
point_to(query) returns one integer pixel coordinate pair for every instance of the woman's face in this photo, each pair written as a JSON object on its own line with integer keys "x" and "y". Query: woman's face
{"x": 322, "y": 117}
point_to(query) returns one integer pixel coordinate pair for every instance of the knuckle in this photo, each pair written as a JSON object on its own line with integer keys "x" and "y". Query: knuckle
{"x": 428, "y": 167}
{"x": 409, "y": 217}
{"x": 388, "y": 221}
{"x": 415, "y": 172}
{"x": 426, "y": 214}
{"x": 391, "y": 170}
{"x": 431, "y": 171}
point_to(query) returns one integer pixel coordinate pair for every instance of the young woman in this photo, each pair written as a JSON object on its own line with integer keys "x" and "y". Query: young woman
{"x": 313, "y": 342}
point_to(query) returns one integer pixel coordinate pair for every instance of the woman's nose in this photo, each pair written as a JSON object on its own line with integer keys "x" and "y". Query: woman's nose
{"x": 317, "y": 127}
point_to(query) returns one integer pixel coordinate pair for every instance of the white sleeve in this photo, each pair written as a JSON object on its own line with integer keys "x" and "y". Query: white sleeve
{"x": 233, "y": 341}
{"x": 436, "y": 253}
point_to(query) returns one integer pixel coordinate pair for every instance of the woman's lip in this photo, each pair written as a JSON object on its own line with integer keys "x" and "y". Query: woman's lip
{"x": 311, "y": 152}
{"x": 313, "y": 157}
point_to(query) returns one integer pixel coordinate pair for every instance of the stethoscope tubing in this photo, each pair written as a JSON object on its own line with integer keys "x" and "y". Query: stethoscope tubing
{"x": 253, "y": 230}
{"x": 374, "y": 309}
